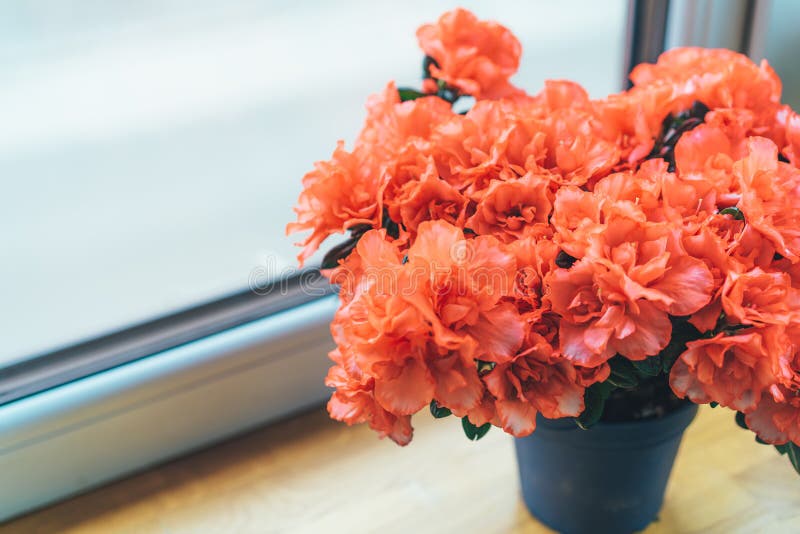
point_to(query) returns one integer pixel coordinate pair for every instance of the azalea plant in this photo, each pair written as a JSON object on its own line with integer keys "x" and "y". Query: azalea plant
{"x": 558, "y": 255}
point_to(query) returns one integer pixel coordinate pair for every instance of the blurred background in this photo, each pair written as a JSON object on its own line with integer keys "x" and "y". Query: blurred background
{"x": 151, "y": 151}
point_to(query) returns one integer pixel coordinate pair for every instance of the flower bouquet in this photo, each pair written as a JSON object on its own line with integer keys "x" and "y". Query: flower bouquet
{"x": 550, "y": 256}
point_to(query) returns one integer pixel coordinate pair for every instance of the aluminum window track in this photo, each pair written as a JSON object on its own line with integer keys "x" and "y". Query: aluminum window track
{"x": 168, "y": 387}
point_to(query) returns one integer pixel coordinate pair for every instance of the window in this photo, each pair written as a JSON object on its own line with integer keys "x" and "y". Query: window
{"x": 151, "y": 153}
{"x": 154, "y": 150}
{"x": 781, "y": 39}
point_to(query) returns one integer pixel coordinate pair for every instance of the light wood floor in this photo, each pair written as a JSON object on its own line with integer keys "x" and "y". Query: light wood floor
{"x": 313, "y": 475}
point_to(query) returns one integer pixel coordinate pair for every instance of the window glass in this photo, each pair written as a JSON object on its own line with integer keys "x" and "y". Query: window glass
{"x": 151, "y": 151}
{"x": 782, "y": 43}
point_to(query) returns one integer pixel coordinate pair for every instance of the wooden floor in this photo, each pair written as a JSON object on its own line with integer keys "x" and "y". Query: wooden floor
{"x": 312, "y": 475}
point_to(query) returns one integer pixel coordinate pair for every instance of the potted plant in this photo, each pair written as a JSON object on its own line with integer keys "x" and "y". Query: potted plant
{"x": 580, "y": 273}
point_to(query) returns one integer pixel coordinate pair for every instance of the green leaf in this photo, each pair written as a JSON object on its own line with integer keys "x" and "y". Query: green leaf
{"x": 668, "y": 358}
{"x": 594, "y": 400}
{"x": 484, "y": 367}
{"x": 782, "y": 449}
{"x": 446, "y": 92}
{"x": 713, "y": 404}
{"x": 343, "y": 249}
{"x": 426, "y": 66}
{"x": 793, "y": 451}
{"x": 339, "y": 252}
{"x": 392, "y": 228}
{"x": 564, "y": 260}
{"x": 439, "y": 411}
{"x": 474, "y": 433}
{"x": 682, "y": 332}
{"x": 740, "y": 420}
{"x": 651, "y": 366}
{"x": 406, "y": 94}
{"x": 624, "y": 382}
{"x": 733, "y": 211}
{"x": 623, "y": 373}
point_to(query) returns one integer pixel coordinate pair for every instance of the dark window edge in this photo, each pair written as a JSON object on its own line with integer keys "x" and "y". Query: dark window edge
{"x": 52, "y": 369}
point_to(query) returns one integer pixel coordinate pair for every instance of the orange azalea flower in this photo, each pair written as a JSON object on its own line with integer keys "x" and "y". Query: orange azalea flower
{"x": 374, "y": 264}
{"x": 576, "y": 215}
{"x": 714, "y": 241}
{"x": 720, "y": 79}
{"x": 561, "y": 94}
{"x": 647, "y": 191}
{"x": 501, "y": 257}
{"x": 539, "y": 380}
{"x": 771, "y": 196}
{"x": 717, "y": 77}
{"x": 704, "y": 160}
{"x": 338, "y": 194}
{"x": 484, "y": 412}
{"x": 635, "y": 117}
{"x": 592, "y": 329}
{"x": 535, "y": 258}
{"x": 494, "y": 140}
{"x": 733, "y": 370}
{"x": 459, "y": 286}
{"x": 415, "y": 193}
{"x": 353, "y": 402}
{"x": 413, "y": 328}
{"x": 510, "y": 210}
{"x": 380, "y": 332}
{"x": 618, "y": 297}
{"x": 458, "y": 386}
{"x": 527, "y": 386}
{"x": 343, "y": 192}
{"x": 788, "y": 123}
{"x": 760, "y": 298}
{"x": 476, "y": 57}
{"x": 577, "y": 147}
{"x": 391, "y": 124}
{"x": 777, "y": 421}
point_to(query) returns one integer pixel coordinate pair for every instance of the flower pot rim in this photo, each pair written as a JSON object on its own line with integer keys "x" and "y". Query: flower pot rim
{"x": 555, "y": 424}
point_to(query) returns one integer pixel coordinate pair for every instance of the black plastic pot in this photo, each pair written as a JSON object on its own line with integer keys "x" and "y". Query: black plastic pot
{"x": 608, "y": 479}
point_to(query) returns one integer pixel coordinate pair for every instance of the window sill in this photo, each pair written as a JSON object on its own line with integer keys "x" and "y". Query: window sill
{"x": 311, "y": 474}
{"x": 90, "y": 431}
